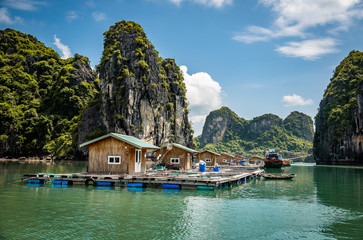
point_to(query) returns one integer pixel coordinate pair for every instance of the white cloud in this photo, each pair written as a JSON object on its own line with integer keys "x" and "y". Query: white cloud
{"x": 295, "y": 100}
{"x": 295, "y": 17}
{"x": 309, "y": 49}
{"x": 203, "y": 93}
{"x": 176, "y": 2}
{"x": 27, "y": 5}
{"x": 90, "y": 3}
{"x": 198, "y": 123}
{"x": 253, "y": 85}
{"x": 71, "y": 15}
{"x": 198, "y": 119}
{"x": 5, "y": 17}
{"x": 66, "y": 52}
{"x": 209, "y": 3}
{"x": 99, "y": 16}
{"x": 299, "y": 18}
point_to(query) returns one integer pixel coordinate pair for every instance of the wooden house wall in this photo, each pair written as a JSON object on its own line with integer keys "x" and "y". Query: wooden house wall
{"x": 221, "y": 157}
{"x": 238, "y": 158}
{"x": 204, "y": 155}
{"x": 99, "y": 152}
{"x": 176, "y": 153}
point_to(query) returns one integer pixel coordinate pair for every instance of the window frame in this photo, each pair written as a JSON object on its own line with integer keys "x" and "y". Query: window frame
{"x": 177, "y": 162}
{"x": 114, "y": 158}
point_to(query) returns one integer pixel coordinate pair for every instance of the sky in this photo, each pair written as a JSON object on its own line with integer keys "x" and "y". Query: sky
{"x": 255, "y": 57}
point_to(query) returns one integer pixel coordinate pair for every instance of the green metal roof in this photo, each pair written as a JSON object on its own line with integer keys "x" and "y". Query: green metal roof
{"x": 181, "y": 147}
{"x": 210, "y": 152}
{"x": 125, "y": 138}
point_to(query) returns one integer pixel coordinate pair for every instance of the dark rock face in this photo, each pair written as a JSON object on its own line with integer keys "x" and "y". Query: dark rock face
{"x": 339, "y": 123}
{"x": 220, "y": 125}
{"x": 142, "y": 94}
{"x": 263, "y": 123}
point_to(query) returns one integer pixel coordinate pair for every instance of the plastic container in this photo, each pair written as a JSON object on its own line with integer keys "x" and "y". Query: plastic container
{"x": 216, "y": 169}
{"x": 104, "y": 184}
{"x": 201, "y": 167}
{"x": 171, "y": 186}
{"x": 57, "y": 182}
{"x": 140, "y": 185}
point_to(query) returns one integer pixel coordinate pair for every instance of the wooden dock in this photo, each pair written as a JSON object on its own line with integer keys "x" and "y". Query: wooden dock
{"x": 154, "y": 178}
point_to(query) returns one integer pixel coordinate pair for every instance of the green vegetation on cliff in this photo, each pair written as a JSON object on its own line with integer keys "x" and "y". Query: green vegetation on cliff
{"x": 340, "y": 97}
{"x": 41, "y": 97}
{"x": 225, "y": 131}
{"x": 339, "y": 120}
{"x": 143, "y": 95}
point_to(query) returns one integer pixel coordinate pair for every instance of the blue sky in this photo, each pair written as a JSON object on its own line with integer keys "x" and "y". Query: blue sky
{"x": 256, "y": 57}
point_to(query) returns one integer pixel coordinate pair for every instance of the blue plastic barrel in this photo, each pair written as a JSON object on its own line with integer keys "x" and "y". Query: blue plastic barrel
{"x": 57, "y": 182}
{"x": 216, "y": 169}
{"x": 104, "y": 183}
{"x": 201, "y": 167}
{"x": 135, "y": 185}
{"x": 171, "y": 186}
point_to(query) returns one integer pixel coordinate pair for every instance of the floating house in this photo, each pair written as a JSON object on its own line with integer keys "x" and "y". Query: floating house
{"x": 239, "y": 158}
{"x": 256, "y": 160}
{"x": 225, "y": 158}
{"x": 117, "y": 153}
{"x": 209, "y": 157}
{"x": 176, "y": 156}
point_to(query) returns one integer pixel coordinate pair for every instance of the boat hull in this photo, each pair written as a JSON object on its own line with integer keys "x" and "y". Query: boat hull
{"x": 279, "y": 176}
{"x": 273, "y": 163}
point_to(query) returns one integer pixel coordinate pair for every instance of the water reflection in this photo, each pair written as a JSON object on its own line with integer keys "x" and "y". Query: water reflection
{"x": 342, "y": 188}
{"x": 320, "y": 203}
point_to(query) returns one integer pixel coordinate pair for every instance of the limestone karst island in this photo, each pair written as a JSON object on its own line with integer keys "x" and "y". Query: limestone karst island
{"x": 179, "y": 126}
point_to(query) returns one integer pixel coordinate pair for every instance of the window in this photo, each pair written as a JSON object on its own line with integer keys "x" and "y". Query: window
{"x": 174, "y": 160}
{"x": 114, "y": 159}
{"x": 208, "y": 160}
{"x": 138, "y": 156}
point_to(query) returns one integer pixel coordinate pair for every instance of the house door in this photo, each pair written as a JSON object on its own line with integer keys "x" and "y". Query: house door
{"x": 188, "y": 161}
{"x": 138, "y": 160}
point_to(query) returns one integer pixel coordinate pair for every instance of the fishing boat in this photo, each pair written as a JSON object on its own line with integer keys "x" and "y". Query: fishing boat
{"x": 279, "y": 176}
{"x": 273, "y": 159}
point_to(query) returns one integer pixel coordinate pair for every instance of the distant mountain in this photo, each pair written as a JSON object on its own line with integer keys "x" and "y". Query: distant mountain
{"x": 339, "y": 122}
{"x": 225, "y": 131}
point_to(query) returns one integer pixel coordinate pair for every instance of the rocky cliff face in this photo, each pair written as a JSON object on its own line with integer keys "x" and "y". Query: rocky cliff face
{"x": 339, "y": 122}
{"x": 224, "y": 130}
{"x": 220, "y": 125}
{"x": 263, "y": 123}
{"x": 142, "y": 94}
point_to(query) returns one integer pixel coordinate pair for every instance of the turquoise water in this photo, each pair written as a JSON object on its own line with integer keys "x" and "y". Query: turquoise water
{"x": 320, "y": 203}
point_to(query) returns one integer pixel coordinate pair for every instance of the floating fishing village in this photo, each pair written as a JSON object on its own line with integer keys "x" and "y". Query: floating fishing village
{"x": 120, "y": 160}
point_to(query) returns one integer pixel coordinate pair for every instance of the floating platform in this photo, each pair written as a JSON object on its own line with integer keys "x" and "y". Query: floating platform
{"x": 279, "y": 175}
{"x": 166, "y": 179}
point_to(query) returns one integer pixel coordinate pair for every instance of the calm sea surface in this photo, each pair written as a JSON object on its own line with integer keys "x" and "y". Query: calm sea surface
{"x": 320, "y": 203}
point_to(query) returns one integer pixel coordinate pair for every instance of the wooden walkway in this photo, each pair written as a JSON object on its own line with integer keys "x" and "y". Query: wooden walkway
{"x": 156, "y": 178}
